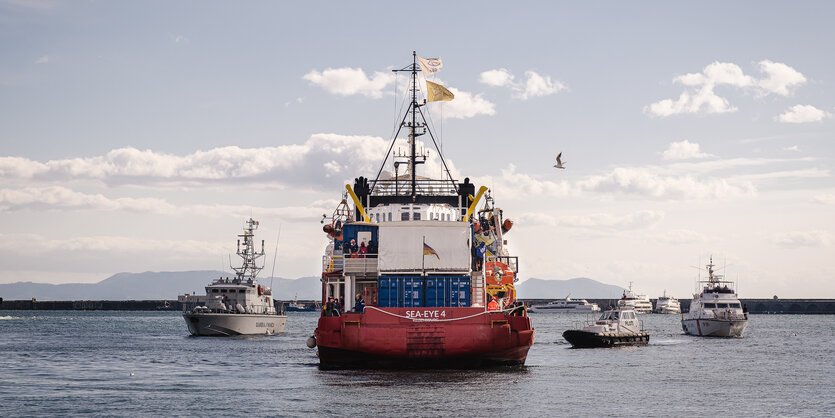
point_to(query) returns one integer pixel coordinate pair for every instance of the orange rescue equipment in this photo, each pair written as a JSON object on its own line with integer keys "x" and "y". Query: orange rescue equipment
{"x": 498, "y": 273}
{"x": 493, "y": 305}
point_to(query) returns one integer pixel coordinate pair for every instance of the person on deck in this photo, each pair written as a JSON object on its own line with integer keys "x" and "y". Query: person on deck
{"x": 372, "y": 249}
{"x": 359, "y": 303}
{"x": 352, "y": 247}
{"x": 363, "y": 250}
{"x": 493, "y": 305}
{"x": 330, "y": 307}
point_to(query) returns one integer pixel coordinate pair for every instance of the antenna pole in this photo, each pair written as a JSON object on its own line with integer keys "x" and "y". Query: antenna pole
{"x": 412, "y": 158}
{"x": 272, "y": 273}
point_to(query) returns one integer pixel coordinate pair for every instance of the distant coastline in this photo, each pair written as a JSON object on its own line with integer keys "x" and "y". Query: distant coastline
{"x": 755, "y": 306}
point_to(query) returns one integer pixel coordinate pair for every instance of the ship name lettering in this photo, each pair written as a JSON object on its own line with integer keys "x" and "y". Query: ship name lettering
{"x": 426, "y": 314}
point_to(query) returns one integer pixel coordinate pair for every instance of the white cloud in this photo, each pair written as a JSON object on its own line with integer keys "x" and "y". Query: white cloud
{"x": 64, "y": 199}
{"x": 684, "y": 150}
{"x": 794, "y": 148}
{"x": 514, "y": 185}
{"x": 497, "y": 78}
{"x": 42, "y": 60}
{"x": 538, "y": 86}
{"x": 180, "y": 39}
{"x": 700, "y": 97}
{"x": 681, "y": 236}
{"x": 349, "y": 81}
{"x": 779, "y": 78}
{"x": 289, "y": 165}
{"x": 466, "y": 105}
{"x": 801, "y": 239}
{"x": 649, "y": 183}
{"x": 596, "y": 221}
{"x": 803, "y": 114}
{"x": 826, "y": 199}
{"x": 9, "y": 243}
{"x": 535, "y": 85}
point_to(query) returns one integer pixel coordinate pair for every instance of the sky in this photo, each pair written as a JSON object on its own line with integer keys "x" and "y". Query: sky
{"x": 139, "y": 136}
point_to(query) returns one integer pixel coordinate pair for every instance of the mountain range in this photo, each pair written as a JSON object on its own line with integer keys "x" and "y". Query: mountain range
{"x": 168, "y": 285}
{"x": 152, "y": 286}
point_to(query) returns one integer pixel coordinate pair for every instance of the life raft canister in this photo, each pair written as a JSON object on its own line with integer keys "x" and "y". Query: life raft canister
{"x": 505, "y": 274}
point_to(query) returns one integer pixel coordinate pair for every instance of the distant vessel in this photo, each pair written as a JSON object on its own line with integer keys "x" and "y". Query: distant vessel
{"x": 614, "y": 328}
{"x": 716, "y": 311}
{"x": 415, "y": 275}
{"x": 239, "y": 306}
{"x": 567, "y": 305}
{"x": 631, "y": 300}
{"x": 667, "y": 305}
{"x": 296, "y": 306}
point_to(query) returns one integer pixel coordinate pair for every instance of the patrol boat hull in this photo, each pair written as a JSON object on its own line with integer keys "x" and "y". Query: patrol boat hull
{"x": 223, "y": 324}
{"x": 714, "y": 327}
{"x": 424, "y": 338}
{"x": 585, "y": 339}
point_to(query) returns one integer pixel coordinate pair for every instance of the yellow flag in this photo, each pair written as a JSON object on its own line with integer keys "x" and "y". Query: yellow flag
{"x": 436, "y": 92}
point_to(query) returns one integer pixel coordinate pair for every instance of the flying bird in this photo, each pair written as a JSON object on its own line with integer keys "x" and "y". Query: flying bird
{"x": 559, "y": 163}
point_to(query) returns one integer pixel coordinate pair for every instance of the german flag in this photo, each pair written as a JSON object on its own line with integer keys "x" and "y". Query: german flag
{"x": 427, "y": 250}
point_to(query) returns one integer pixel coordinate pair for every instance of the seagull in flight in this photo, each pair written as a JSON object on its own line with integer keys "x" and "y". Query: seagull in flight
{"x": 559, "y": 163}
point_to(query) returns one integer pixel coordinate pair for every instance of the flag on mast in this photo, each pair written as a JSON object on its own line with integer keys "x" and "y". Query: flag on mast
{"x": 430, "y": 66}
{"x": 437, "y": 93}
{"x": 427, "y": 250}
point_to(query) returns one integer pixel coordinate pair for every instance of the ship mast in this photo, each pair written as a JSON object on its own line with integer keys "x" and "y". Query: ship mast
{"x": 249, "y": 269}
{"x": 416, "y": 129}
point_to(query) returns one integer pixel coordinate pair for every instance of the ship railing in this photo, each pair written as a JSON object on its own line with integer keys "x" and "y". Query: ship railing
{"x": 424, "y": 187}
{"x": 364, "y": 266}
{"x": 333, "y": 263}
{"x": 512, "y": 261}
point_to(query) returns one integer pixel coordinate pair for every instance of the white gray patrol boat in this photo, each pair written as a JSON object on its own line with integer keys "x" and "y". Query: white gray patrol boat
{"x": 236, "y": 306}
{"x": 716, "y": 311}
{"x": 615, "y": 328}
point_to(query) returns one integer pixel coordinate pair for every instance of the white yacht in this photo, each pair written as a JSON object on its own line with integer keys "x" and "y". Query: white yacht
{"x": 614, "y": 328}
{"x": 631, "y": 300}
{"x": 716, "y": 311}
{"x": 567, "y": 305}
{"x": 236, "y": 306}
{"x": 667, "y": 305}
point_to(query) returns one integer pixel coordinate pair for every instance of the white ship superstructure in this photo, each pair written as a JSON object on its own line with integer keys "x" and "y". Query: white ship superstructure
{"x": 236, "y": 306}
{"x": 631, "y": 300}
{"x": 567, "y": 305}
{"x": 716, "y": 311}
{"x": 667, "y": 305}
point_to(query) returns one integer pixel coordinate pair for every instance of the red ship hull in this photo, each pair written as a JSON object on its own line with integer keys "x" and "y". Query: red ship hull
{"x": 424, "y": 337}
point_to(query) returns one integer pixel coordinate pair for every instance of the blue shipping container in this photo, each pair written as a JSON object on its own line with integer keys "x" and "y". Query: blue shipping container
{"x": 436, "y": 291}
{"x": 459, "y": 291}
{"x": 389, "y": 292}
{"x": 412, "y": 292}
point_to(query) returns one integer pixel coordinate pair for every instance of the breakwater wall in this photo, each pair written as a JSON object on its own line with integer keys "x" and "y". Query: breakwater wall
{"x": 754, "y": 306}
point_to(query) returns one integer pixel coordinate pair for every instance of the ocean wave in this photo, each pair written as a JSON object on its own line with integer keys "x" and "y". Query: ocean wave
{"x": 9, "y": 317}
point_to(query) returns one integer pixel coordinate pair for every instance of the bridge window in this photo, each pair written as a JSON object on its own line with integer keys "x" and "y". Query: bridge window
{"x": 710, "y": 306}
{"x": 416, "y": 216}
{"x": 404, "y": 216}
{"x": 389, "y": 216}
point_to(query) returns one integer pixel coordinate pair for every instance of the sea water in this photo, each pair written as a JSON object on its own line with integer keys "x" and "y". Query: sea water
{"x": 63, "y": 363}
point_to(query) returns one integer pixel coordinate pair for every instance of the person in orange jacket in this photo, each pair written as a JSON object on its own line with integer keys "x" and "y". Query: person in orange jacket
{"x": 493, "y": 305}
